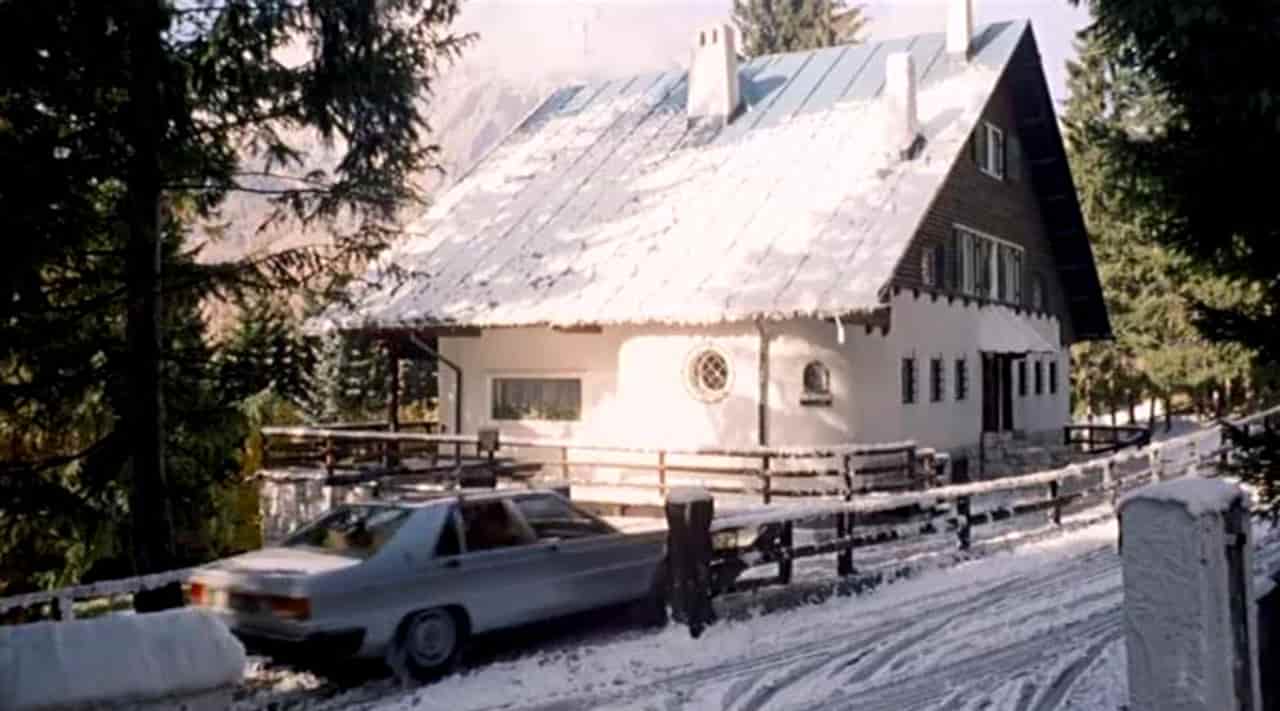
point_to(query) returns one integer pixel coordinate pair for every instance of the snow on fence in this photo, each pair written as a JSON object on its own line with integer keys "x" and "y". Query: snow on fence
{"x": 645, "y": 473}
{"x": 1164, "y": 460}
{"x": 715, "y": 558}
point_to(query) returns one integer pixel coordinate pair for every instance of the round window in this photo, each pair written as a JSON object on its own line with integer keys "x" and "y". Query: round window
{"x": 708, "y": 375}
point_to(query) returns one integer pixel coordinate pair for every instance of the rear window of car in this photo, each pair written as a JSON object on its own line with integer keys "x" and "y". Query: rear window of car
{"x": 355, "y": 531}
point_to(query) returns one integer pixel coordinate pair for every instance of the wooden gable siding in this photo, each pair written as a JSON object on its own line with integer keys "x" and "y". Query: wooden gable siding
{"x": 1008, "y": 209}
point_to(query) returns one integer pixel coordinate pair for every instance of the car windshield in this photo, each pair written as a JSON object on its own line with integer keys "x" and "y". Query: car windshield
{"x": 355, "y": 531}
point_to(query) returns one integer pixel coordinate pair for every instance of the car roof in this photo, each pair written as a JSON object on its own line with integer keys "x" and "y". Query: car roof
{"x": 422, "y": 499}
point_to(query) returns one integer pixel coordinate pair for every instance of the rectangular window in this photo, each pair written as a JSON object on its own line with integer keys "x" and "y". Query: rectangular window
{"x": 1053, "y": 377}
{"x": 988, "y": 148}
{"x": 933, "y": 266}
{"x": 987, "y": 267}
{"x": 962, "y": 379}
{"x": 554, "y": 399}
{"x": 908, "y": 380}
{"x": 1015, "y": 276}
{"x": 935, "y": 380}
{"x": 1022, "y": 378}
{"x": 1002, "y": 272}
{"x": 1039, "y": 378}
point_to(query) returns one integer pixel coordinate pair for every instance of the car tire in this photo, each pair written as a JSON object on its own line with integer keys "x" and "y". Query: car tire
{"x": 427, "y": 645}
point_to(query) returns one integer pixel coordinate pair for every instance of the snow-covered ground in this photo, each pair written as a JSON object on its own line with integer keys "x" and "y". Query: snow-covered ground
{"x": 1035, "y": 629}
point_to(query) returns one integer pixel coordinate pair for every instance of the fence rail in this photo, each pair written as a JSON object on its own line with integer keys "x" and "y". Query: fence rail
{"x": 710, "y": 561}
{"x": 861, "y": 519}
{"x": 1101, "y": 439}
{"x": 350, "y": 456}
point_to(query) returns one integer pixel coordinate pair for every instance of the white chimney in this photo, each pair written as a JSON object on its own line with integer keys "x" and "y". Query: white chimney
{"x": 959, "y": 28}
{"x": 713, "y": 75}
{"x": 900, "y": 94}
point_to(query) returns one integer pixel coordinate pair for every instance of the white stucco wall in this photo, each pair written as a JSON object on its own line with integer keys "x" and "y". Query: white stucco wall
{"x": 634, "y": 387}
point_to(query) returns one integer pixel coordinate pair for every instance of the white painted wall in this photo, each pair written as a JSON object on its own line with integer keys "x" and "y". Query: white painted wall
{"x": 634, "y": 388}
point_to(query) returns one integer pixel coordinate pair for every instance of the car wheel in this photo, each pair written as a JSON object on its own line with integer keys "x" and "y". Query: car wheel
{"x": 427, "y": 645}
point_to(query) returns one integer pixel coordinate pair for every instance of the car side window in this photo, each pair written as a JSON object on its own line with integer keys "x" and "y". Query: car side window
{"x": 553, "y": 518}
{"x": 449, "y": 543}
{"x": 489, "y": 525}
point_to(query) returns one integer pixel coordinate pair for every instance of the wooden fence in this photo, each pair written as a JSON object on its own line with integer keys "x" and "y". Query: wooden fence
{"x": 863, "y": 514}
{"x": 707, "y": 562}
{"x": 765, "y": 473}
{"x": 1102, "y": 439}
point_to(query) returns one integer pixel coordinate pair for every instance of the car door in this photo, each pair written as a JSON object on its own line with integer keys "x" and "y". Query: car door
{"x": 502, "y": 569}
{"x": 589, "y": 563}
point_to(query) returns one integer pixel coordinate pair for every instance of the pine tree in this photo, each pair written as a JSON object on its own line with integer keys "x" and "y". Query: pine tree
{"x": 773, "y": 26}
{"x": 1157, "y": 351}
{"x": 123, "y": 123}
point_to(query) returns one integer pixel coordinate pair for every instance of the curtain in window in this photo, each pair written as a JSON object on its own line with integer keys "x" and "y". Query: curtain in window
{"x": 537, "y": 398}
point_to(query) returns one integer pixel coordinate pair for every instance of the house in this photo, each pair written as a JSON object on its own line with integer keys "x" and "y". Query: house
{"x": 865, "y": 243}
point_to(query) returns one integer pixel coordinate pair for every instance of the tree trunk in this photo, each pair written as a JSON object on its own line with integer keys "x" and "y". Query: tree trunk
{"x": 143, "y": 421}
{"x": 1133, "y": 415}
{"x": 1151, "y": 416}
{"x": 1168, "y": 413}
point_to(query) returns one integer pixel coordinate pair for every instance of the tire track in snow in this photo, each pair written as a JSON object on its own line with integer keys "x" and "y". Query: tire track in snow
{"x": 868, "y": 661}
{"x": 1062, "y": 683}
{"x": 835, "y": 649}
{"x": 928, "y": 688}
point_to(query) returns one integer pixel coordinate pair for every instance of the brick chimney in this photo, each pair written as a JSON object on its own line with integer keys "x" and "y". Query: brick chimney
{"x": 714, "y": 93}
{"x": 959, "y": 28}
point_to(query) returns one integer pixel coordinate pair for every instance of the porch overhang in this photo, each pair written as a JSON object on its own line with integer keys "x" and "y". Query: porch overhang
{"x": 1002, "y": 330}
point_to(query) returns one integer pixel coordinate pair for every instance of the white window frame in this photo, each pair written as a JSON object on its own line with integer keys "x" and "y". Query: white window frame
{"x": 491, "y": 376}
{"x": 967, "y": 247}
{"x": 992, "y": 162}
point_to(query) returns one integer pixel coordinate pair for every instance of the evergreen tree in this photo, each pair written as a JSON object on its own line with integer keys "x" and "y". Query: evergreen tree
{"x": 773, "y": 26}
{"x": 123, "y": 123}
{"x": 1194, "y": 179}
{"x": 1157, "y": 351}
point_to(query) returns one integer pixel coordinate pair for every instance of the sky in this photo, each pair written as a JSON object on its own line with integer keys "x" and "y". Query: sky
{"x": 540, "y": 40}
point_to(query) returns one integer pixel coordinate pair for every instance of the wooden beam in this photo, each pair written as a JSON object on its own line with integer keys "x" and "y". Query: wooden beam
{"x": 583, "y": 328}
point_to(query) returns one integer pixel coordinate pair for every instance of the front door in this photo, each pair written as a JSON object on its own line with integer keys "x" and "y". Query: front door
{"x": 997, "y": 392}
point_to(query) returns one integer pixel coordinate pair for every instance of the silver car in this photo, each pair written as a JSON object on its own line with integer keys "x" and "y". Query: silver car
{"x": 411, "y": 581}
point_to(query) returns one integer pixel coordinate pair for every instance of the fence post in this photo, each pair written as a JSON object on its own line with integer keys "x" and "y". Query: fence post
{"x": 662, "y": 472}
{"x": 329, "y": 457}
{"x": 1193, "y": 468}
{"x": 766, "y": 480}
{"x": 1193, "y": 645}
{"x": 1157, "y": 464}
{"x": 960, "y": 475}
{"x": 844, "y": 521}
{"x": 689, "y": 515}
{"x": 564, "y": 464}
{"x": 1224, "y": 445}
{"x": 1055, "y": 488}
{"x": 788, "y": 544}
{"x": 64, "y": 609}
{"x": 1109, "y": 481}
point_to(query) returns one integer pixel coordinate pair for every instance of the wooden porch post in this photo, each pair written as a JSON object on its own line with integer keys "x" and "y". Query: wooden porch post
{"x": 391, "y": 452}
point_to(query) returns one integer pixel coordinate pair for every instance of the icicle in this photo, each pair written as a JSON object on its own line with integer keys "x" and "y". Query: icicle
{"x": 839, "y": 331}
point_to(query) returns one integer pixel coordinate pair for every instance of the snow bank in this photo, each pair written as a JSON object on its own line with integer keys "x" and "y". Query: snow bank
{"x": 133, "y": 658}
{"x": 1197, "y": 496}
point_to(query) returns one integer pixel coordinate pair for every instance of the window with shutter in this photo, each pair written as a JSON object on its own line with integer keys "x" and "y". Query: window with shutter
{"x": 1013, "y": 159}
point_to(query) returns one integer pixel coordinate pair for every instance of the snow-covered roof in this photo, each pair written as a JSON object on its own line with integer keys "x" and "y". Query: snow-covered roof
{"x": 606, "y": 206}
